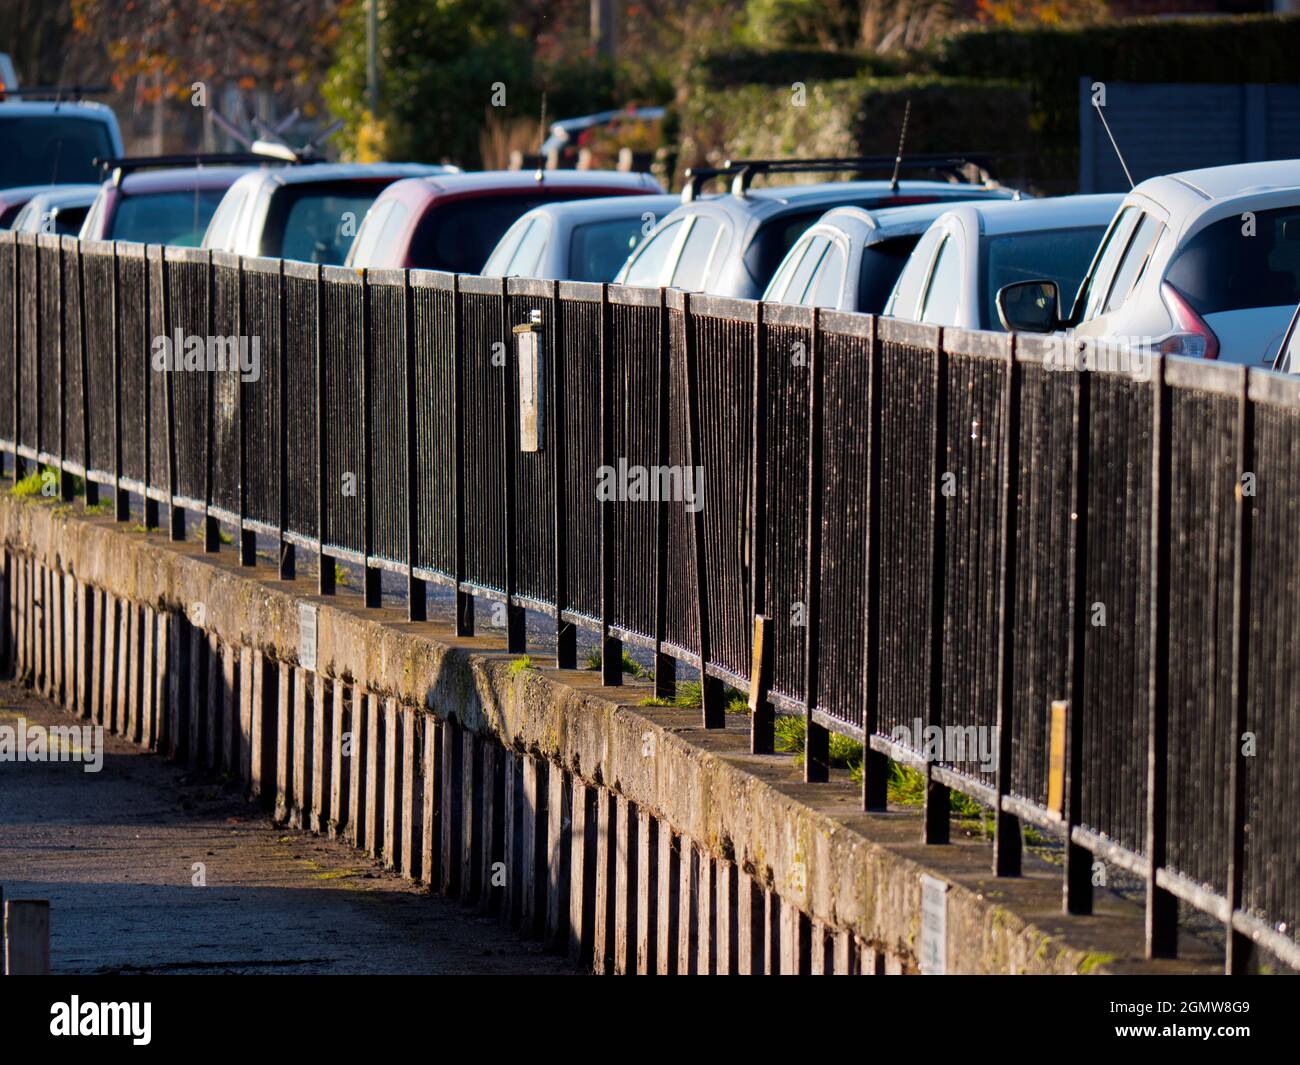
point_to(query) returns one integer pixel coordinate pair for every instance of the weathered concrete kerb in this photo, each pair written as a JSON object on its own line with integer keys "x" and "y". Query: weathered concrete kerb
{"x": 625, "y": 834}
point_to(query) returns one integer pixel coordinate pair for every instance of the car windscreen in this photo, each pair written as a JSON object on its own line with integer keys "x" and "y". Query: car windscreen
{"x": 1238, "y": 263}
{"x": 459, "y": 235}
{"x": 882, "y": 262}
{"x": 598, "y": 250}
{"x": 1060, "y": 255}
{"x": 51, "y": 149}
{"x": 177, "y": 218}
{"x": 317, "y": 223}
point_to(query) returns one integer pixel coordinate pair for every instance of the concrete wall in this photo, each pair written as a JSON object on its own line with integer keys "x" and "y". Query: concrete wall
{"x": 627, "y": 835}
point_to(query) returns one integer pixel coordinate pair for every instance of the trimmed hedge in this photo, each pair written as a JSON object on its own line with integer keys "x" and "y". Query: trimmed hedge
{"x": 784, "y": 66}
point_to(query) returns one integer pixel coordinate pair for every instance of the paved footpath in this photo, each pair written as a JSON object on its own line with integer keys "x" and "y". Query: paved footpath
{"x": 115, "y": 854}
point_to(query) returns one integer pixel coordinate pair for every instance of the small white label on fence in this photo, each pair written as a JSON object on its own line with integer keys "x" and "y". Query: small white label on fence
{"x": 307, "y": 636}
{"x": 531, "y": 429}
{"x": 934, "y": 926}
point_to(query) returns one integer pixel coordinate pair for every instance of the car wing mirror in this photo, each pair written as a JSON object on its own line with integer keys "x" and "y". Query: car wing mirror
{"x": 1030, "y": 307}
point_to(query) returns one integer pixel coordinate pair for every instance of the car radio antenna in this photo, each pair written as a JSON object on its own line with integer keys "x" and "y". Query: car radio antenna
{"x": 1106, "y": 126}
{"x": 902, "y": 138}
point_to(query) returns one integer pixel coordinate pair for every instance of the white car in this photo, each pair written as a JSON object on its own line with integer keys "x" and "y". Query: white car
{"x": 971, "y": 252}
{"x": 1204, "y": 264}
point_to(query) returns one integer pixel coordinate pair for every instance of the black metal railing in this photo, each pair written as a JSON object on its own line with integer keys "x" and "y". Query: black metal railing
{"x": 905, "y": 534}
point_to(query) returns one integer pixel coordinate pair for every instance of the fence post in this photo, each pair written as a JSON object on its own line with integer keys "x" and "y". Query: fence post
{"x": 611, "y": 649}
{"x": 26, "y": 937}
{"x": 288, "y": 553}
{"x": 937, "y": 795}
{"x": 464, "y": 599}
{"x": 816, "y": 763}
{"x": 762, "y": 719}
{"x": 566, "y": 632}
{"x": 371, "y": 577}
{"x": 19, "y": 464}
{"x": 325, "y": 581}
{"x": 247, "y": 538}
{"x": 211, "y": 528}
{"x": 875, "y": 765}
{"x": 150, "y": 506}
{"x": 416, "y": 605}
{"x": 516, "y": 636}
{"x": 1078, "y": 861}
{"x": 38, "y": 320}
{"x": 67, "y": 491}
{"x": 1006, "y": 830}
{"x": 710, "y": 687}
{"x": 1240, "y": 947}
{"x": 92, "y": 487}
{"x": 665, "y": 665}
{"x": 176, "y": 516}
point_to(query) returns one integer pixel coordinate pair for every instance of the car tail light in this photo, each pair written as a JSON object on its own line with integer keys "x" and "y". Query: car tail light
{"x": 1192, "y": 337}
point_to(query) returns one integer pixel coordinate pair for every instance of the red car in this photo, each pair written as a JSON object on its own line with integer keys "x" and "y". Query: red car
{"x": 453, "y": 221}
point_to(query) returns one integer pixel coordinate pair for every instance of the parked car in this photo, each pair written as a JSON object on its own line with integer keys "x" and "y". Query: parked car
{"x": 850, "y": 258}
{"x": 169, "y": 205}
{"x": 309, "y": 212}
{"x": 583, "y": 240}
{"x": 564, "y": 140}
{"x": 731, "y": 245}
{"x": 15, "y": 199}
{"x": 973, "y": 251}
{"x": 452, "y": 222}
{"x": 1204, "y": 264}
{"x": 46, "y": 142}
{"x": 60, "y": 209}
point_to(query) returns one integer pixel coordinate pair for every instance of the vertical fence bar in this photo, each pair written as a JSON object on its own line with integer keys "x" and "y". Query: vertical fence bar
{"x": 464, "y": 599}
{"x": 516, "y": 637}
{"x": 152, "y": 518}
{"x": 817, "y": 751}
{"x": 416, "y": 604}
{"x": 211, "y": 528}
{"x": 665, "y": 665}
{"x": 176, "y": 515}
{"x": 92, "y": 487}
{"x": 566, "y": 632}
{"x": 37, "y": 405}
{"x": 710, "y": 687}
{"x": 19, "y": 464}
{"x": 1078, "y": 861}
{"x": 325, "y": 581}
{"x": 121, "y": 503}
{"x": 1006, "y": 826}
{"x": 67, "y": 490}
{"x": 288, "y": 553}
{"x": 247, "y": 538}
{"x": 611, "y": 649}
{"x": 875, "y": 765}
{"x": 371, "y": 576}
{"x": 1161, "y": 906}
{"x": 762, "y": 718}
{"x": 1240, "y": 947}
{"x": 937, "y": 804}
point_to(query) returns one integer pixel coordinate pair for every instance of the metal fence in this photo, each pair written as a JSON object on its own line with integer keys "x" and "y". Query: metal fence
{"x": 916, "y": 537}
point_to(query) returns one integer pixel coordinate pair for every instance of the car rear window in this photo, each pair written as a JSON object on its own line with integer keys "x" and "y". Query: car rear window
{"x": 1226, "y": 268}
{"x": 53, "y": 149}
{"x": 179, "y": 218}
{"x": 881, "y": 264}
{"x": 1060, "y": 255}
{"x": 317, "y": 223}
{"x": 598, "y": 250}
{"x": 459, "y": 235}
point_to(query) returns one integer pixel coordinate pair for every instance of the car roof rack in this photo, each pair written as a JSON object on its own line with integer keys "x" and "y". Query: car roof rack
{"x": 58, "y": 93}
{"x": 119, "y": 167}
{"x": 742, "y": 171}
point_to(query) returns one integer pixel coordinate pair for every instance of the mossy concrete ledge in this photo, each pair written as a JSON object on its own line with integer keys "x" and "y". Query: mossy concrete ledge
{"x": 768, "y": 873}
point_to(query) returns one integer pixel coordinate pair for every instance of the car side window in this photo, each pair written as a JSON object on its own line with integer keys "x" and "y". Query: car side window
{"x": 824, "y": 289}
{"x": 804, "y": 271}
{"x": 1097, "y": 283}
{"x": 693, "y": 264}
{"x": 776, "y": 290}
{"x": 1145, "y": 236}
{"x": 944, "y": 289}
{"x": 907, "y": 289}
{"x": 645, "y": 269}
